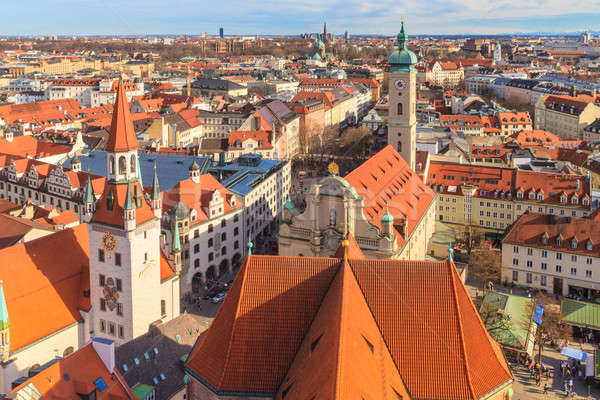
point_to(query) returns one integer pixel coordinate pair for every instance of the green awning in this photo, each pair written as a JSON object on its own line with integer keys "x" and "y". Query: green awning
{"x": 140, "y": 390}
{"x": 580, "y": 313}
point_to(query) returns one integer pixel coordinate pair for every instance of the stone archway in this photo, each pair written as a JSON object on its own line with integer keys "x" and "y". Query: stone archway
{"x": 197, "y": 282}
{"x": 210, "y": 273}
{"x": 236, "y": 261}
{"x": 223, "y": 267}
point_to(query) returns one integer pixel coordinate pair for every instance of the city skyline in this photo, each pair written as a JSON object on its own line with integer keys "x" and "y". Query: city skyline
{"x": 433, "y": 17}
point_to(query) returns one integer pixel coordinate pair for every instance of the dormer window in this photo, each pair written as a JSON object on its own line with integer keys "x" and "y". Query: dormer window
{"x": 563, "y": 199}
{"x": 574, "y": 243}
{"x": 589, "y": 246}
{"x": 574, "y": 200}
{"x": 585, "y": 202}
{"x": 540, "y": 196}
{"x": 519, "y": 195}
{"x": 531, "y": 196}
{"x": 545, "y": 239}
{"x": 559, "y": 241}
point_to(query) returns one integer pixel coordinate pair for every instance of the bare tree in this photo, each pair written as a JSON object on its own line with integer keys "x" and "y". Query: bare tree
{"x": 485, "y": 264}
{"x": 553, "y": 329}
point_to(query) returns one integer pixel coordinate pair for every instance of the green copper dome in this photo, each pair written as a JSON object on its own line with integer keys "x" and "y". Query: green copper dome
{"x": 288, "y": 205}
{"x": 387, "y": 218}
{"x": 402, "y": 59}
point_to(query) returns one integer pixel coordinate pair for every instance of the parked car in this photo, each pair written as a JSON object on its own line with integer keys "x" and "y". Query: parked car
{"x": 219, "y": 298}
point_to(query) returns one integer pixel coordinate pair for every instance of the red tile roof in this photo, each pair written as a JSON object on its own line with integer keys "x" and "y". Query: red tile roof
{"x": 387, "y": 183}
{"x": 44, "y": 281}
{"x": 115, "y": 216}
{"x": 122, "y": 134}
{"x": 24, "y": 146}
{"x": 82, "y": 368}
{"x": 437, "y": 349}
{"x": 530, "y": 229}
{"x": 242, "y": 136}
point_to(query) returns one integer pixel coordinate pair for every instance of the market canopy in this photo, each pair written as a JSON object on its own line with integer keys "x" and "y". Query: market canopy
{"x": 580, "y": 313}
{"x": 574, "y": 353}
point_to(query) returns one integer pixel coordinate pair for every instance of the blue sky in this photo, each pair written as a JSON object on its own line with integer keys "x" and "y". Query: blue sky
{"x": 126, "y": 17}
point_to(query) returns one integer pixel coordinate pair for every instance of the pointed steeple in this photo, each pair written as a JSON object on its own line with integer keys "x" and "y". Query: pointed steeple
{"x": 155, "y": 188}
{"x": 250, "y": 245}
{"x": 139, "y": 172}
{"x": 402, "y": 38}
{"x": 176, "y": 240}
{"x": 90, "y": 196}
{"x": 3, "y": 310}
{"x": 128, "y": 199}
{"x": 122, "y": 134}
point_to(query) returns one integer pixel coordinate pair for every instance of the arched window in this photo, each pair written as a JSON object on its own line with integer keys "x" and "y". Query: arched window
{"x": 399, "y": 108}
{"x": 68, "y": 351}
{"x": 399, "y": 147}
{"x": 132, "y": 165}
{"x": 122, "y": 165}
{"x": 111, "y": 165}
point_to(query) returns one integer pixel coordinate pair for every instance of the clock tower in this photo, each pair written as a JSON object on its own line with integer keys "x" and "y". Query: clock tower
{"x": 124, "y": 233}
{"x": 402, "y": 120}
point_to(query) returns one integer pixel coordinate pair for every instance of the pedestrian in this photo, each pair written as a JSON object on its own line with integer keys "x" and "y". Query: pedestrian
{"x": 545, "y": 388}
{"x": 571, "y": 384}
{"x": 537, "y": 380}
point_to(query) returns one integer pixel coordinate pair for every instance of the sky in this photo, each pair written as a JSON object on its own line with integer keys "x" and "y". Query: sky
{"x": 250, "y": 17}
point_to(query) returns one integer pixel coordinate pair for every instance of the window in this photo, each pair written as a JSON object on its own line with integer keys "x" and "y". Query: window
{"x": 236, "y": 244}
{"x": 543, "y": 280}
{"x": 573, "y": 271}
{"x": 236, "y": 231}
{"x": 102, "y": 326}
{"x": 111, "y": 328}
{"x": 196, "y": 263}
{"x": 515, "y": 276}
{"x": 223, "y": 236}
{"x": 145, "y": 257}
{"x": 102, "y": 305}
{"x": 399, "y": 110}
{"x": 515, "y": 261}
{"x": 529, "y": 251}
{"x": 516, "y": 249}
{"x": 101, "y": 280}
{"x": 223, "y": 250}
{"x": 210, "y": 256}
{"x": 559, "y": 256}
{"x": 559, "y": 269}
{"x": 196, "y": 248}
{"x": 573, "y": 258}
{"x": 118, "y": 259}
{"x": 119, "y": 285}
{"x": 529, "y": 263}
{"x": 122, "y": 165}
{"x": 132, "y": 164}
{"x": 223, "y": 223}
{"x": 210, "y": 228}
{"x": 120, "y": 309}
{"x": 529, "y": 277}
{"x": 544, "y": 266}
{"x": 111, "y": 165}
{"x": 588, "y": 261}
{"x": 210, "y": 242}
{"x": 588, "y": 273}
{"x": 121, "y": 333}
{"x": 100, "y": 255}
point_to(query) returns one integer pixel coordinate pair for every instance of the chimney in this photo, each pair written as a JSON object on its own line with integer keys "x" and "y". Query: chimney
{"x": 105, "y": 348}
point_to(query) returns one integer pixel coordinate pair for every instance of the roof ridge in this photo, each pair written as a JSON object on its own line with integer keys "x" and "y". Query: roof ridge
{"x": 244, "y": 270}
{"x": 343, "y": 308}
{"x": 450, "y": 266}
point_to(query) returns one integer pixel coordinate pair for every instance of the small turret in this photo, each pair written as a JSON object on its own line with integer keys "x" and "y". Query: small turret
{"x": 387, "y": 224}
{"x": 129, "y": 210}
{"x": 4, "y": 327}
{"x": 195, "y": 171}
{"x": 156, "y": 198}
{"x": 288, "y": 208}
{"x": 89, "y": 200}
{"x": 75, "y": 164}
{"x": 176, "y": 248}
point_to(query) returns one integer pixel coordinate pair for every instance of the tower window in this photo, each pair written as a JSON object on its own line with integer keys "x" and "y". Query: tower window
{"x": 399, "y": 108}
{"x": 120, "y": 309}
{"x": 111, "y": 165}
{"x": 100, "y": 255}
{"x": 101, "y": 280}
{"x": 122, "y": 165}
{"x": 132, "y": 165}
{"x": 118, "y": 259}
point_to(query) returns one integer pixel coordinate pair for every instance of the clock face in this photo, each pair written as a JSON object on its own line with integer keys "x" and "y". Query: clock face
{"x": 400, "y": 84}
{"x": 108, "y": 241}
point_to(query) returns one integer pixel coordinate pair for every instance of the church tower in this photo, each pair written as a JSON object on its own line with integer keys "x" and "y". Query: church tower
{"x": 124, "y": 234}
{"x": 402, "y": 123}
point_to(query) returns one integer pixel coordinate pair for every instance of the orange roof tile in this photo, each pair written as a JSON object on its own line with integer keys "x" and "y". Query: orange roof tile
{"x": 115, "y": 216}
{"x": 387, "y": 182}
{"x": 122, "y": 134}
{"x": 44, "y": 281}
{"x": 438, "y": 349}
{"x": 82, "y": 368}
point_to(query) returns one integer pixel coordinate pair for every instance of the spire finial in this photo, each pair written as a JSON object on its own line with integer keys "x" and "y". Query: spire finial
{"x": 176, "y": 240}
{"x": 450, "y": 252}
{"x": 250, "y": 245}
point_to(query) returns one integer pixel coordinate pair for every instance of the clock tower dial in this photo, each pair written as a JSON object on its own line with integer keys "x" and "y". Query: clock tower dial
{"x": 400, "y": 84}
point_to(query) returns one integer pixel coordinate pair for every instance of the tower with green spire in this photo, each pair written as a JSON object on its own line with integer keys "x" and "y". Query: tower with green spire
{"x": 402, "y": 120}
{"x": 176, "y": 248}
{"x": 250, "y": 245}
{"x": 4, "y": 327}
{"x": 89, "y": 200}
